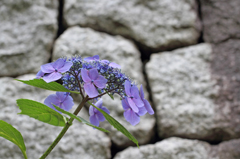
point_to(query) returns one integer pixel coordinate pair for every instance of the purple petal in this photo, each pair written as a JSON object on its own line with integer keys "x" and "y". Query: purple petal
{"x": 52, "y": 99}
{"x": 68, "y": 103}
{"x": 100, "y": 116}
{"x": 88, "y": 59}
{"x": 94, "y": 120}
{"x": 138, "y": 102}
{"x": 58, "y": 64}
{"x": 66, "y": 67}
{"x": 105, "y": 109}
{"x": 47, "y": 68}
{"x": 148, "y": 107}
{"x": 114, "y": 65}
{"x": 99, "y": 103}
{"x": 93, "y": 58}
{"x": 135, "y": 92}
{"x": 132, "y": 105}
{"x": 93, "y": 74}
{"x": 52, "y": 77}
{"x": 91, "y": 110}
{"x": 96, "y": 57}
{"x": 125, "y": 104}
{"x": 61, "y": 96}
{"x": 141, "y": 92}
{"x": 127, "y": 87}
{"x": 90, "y": 89}
{"x": 131, "y": 117}
{"x": 100, "y": 82}
{"x": 40, "y": 74}
{"x": 84, "y": 74}
{"x": 142, "y": 111}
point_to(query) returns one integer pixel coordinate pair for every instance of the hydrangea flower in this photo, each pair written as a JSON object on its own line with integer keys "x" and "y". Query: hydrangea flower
{"x": 95, "y": 115}
{"x": 91, "y": 79}
{"x": 146, "y": 103}
{"x": 96, "y": 78}
{"x": 132, "y": 117}
{"x": 53, "y": 70}
{"x": 133, "y": 97}
{"x": 60, "y": 99}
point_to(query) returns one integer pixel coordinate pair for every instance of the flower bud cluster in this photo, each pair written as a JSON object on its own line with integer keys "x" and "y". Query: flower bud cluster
{"x": 115, "y": 78}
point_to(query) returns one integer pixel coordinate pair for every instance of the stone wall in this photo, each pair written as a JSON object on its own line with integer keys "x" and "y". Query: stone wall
{"x": 186, "y": 53}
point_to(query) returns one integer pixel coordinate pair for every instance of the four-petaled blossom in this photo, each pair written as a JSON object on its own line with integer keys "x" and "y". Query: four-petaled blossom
{"x": 146, "y": 103}
{"x": 53, "y": 70}
{"x": 132, "y": 117}
{"x": 95, "y": 115}
{"x": 92, "y": 78}
{"x": 60, "y": 99}
{"x": 133, "y": 97}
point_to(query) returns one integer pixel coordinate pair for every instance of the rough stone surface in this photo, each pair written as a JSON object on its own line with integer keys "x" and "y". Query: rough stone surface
{"x": 80, "y": 141}
{"x": 226, "y": 150}
{"x": 196, "y": 91}
{"x": 157, "y": 25}
{"x": 26, "y": 32}
{"x": 86, "y": 42}
{"x": 177, "y": 148}
{"x": 225, "y": 69}
{"x": 220, "y": 20}
{"x": 183, "y": 92}
{"x": 172, "y": 148}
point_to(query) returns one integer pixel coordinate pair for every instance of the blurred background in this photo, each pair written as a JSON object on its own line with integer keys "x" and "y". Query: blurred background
{"x": 186, "y": 53}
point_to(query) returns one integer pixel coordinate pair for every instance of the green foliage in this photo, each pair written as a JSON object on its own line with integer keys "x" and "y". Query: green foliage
{"x": 41, "y": 112}
{"x": 117, "y": 125}
{"x": 52, "y": 86}
{"x": 80, "y": 119}
{"x": 8, "y": 132}
{"x": 110, "y": 95}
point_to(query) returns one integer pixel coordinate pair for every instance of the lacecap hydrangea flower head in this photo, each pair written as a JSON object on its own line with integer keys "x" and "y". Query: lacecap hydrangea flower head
{"x": 94, "y": 78}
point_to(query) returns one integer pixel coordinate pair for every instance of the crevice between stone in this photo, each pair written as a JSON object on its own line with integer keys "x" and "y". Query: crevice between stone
{"x": 61, "y": 25}
{"x": 199, "y": 11}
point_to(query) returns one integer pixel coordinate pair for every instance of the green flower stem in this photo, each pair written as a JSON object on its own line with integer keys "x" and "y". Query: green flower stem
{"x": 24, "y": 154}
{"x": 64, "y": 130}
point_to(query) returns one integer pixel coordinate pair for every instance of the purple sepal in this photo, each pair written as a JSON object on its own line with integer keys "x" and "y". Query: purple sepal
{"x": 92, "y": 79}
{"x": 93, "y": 58}
{"x": 95, "y": 115}
{"x": 132, "y": 117}
{"x": 55, "y": 69}
{"x": 60, "y": 99}
{"x": 114, "y": 65}
{"x": 40, "y": 74}
{"x": 133, "y": 97}
{"x": 146, "y": 103}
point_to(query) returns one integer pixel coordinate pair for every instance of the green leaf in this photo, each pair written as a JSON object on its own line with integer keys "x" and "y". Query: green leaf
{"x": 79, "y": 119}
{"x": 110, "y": 95}
{"x": 8, "y": 132}
{"x": 41, "y": 112}
{"x": 116, "y": 125}
{"x": 52, "y": 86}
